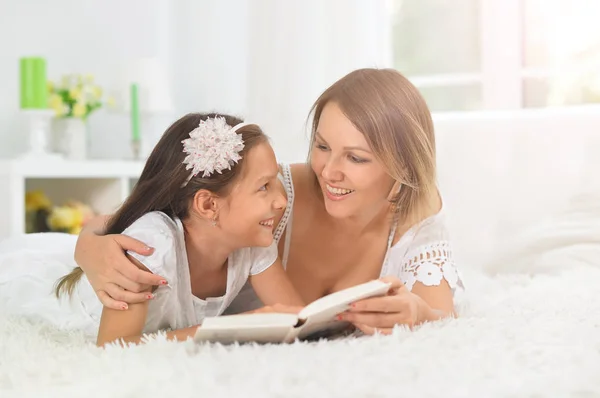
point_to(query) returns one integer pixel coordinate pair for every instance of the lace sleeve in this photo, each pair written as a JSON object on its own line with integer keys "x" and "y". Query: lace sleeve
{"x": 430, "y": 264}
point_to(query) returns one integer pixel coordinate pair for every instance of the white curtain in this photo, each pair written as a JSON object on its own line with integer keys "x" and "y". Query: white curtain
{"x": 296, "y": 49}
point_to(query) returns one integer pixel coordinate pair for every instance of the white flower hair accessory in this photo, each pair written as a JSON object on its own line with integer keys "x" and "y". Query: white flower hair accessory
{"x": 213, "y": 146}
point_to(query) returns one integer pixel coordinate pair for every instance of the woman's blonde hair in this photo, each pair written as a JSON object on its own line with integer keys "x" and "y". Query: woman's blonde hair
{"x": 396, "y": 122}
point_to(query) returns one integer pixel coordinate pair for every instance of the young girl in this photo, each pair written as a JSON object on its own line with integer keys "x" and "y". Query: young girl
{"x": 205, "y": 203}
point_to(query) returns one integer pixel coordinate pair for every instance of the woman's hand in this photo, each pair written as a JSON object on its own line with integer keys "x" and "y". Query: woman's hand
{"x": 381, "y": 314}
{"x": 115, "y": 279}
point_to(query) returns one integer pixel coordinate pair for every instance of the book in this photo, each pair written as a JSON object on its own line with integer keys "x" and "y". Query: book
{"x": 316, "y": 320}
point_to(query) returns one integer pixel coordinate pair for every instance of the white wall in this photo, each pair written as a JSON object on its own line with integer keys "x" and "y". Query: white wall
{"x": 201, "y": 42}
{"x": 266, "y": 60}
{"x": 296, "y": 50}
{"x": 74, "y": 36}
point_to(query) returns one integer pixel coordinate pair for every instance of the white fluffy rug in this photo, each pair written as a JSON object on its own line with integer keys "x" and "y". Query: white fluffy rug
{"x": 529, "y": 326}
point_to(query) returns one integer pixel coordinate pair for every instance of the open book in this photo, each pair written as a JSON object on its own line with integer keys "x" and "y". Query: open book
{"x": 318, "y": 319}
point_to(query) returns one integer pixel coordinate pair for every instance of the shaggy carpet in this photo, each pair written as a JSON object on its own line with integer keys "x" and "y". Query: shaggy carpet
{"x": 529, "y": 326}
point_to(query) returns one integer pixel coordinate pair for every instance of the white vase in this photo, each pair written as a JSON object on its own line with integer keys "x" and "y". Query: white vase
{"x": 70, "y": 137}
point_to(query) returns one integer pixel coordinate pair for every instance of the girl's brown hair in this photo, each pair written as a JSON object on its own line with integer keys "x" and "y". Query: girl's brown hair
{"x": 159, "y": 188}
{"x": 396, "y": 122}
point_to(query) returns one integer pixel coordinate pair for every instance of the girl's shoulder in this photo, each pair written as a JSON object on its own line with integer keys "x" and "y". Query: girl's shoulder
{"x": 162, "y": 233}
{"x": 155, "y": 226}
{"x": 254, "y": 260}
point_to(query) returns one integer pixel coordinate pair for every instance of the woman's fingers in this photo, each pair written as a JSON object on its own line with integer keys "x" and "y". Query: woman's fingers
{"x": 385, "y": 304}
{"x": 373, "y": 319}
{"x": 382, "y": 312}
{"x": 128, "y": 243}
{"x": 121, "y": 280}
{"x": 394, "y": 282}
{"x": 117, "y": 293}
{"x": 122, "y": 266}
{"x": 139, "y": 276}
{"x": 121, "y": 263}
{"x": 108, "y": 302}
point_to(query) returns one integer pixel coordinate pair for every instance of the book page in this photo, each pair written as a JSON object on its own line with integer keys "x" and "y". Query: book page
{"x": 243, "y": 328}
{"x": 265, "y": 319}
{"x": 326, "y": 308}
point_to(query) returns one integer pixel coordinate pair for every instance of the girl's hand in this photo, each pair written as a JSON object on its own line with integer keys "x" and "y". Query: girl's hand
{"x": 381, "y": 314}
{"x": 115, "y": 279}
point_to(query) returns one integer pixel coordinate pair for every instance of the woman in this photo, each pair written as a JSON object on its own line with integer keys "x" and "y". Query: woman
{"x": 365, "y": 206}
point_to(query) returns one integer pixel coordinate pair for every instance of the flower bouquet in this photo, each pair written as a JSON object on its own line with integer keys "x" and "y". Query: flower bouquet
{"x": 42, "y": 216}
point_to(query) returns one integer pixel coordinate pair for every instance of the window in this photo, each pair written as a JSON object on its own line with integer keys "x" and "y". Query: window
{"x": 498, "y": 54}
{"x": 437, "y": 45}
{"x": 561, "y": 64}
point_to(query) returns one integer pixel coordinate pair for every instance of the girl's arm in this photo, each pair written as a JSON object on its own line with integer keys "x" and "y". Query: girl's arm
{"x": 117, "y": 325}
{"x": 115, "y": 279}
{"x": 274, "y": 287}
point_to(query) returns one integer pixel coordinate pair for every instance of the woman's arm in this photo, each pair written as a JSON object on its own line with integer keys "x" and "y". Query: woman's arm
{"x": 95, "y": 226}
{"x": 401, "y": 307}
{"x": 433, "y": 302}
{"x": 127, "y": 326}
{"x": 115, "y": 279}
{"x": 273, "y": 286}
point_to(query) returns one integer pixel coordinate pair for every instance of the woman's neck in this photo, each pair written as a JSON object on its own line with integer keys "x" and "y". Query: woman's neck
{"x": 206, "y": 246}
{"x": 375, "y": 220}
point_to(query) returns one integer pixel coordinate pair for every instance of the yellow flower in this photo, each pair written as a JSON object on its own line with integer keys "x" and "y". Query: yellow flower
{"x": 36, "y": 200}
{"x": 96, "y": 92}
{"x": 86, "y": 212}
{"x": 64, "y": 218}
{"x": 50, "y": 86}
{"x": 75, "y": 93}
{"x": 79, "y": 109}
{"x": 56, "y": 103}
{"x": 89, "y": 78}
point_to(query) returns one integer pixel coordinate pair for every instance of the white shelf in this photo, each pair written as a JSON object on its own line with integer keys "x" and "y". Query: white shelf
{"x": 102, "y": 184}
{"x": 60, "y": 168}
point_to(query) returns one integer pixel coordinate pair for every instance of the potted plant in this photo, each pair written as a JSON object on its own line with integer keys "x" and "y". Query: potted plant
{"x": 73, "y": 101}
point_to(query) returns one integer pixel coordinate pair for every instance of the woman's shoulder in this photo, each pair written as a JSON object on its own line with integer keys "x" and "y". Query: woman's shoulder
{"x": 429, "y": 220}
{"x": 303, "y": 179}
{"x": 295, "y": 179}
{"x": 429, "y": 233}
{"x": 425, "y": 254}
{"x": 300, "y": 172}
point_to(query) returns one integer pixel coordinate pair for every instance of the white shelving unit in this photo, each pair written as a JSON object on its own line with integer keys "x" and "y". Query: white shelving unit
{"x": 102, "y": 184}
